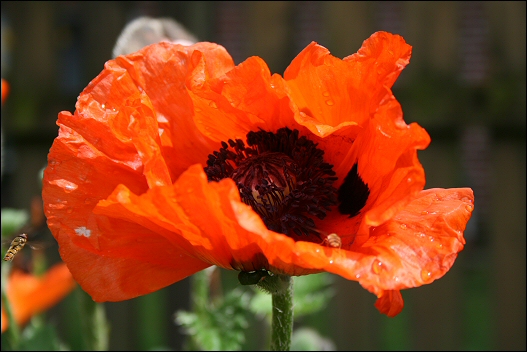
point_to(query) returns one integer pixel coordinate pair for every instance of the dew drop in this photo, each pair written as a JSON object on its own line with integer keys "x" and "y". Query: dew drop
{"x": 331, "y": 261}
{"x": 114, "y": 109}
{"x": 469, "y": 207}
{"x": 403, "y": 226}
{"x": 424, "y": 212}
{"x": 426, "y": 275}
{"x": 326, "y": 94}
{"x": 213, "y": 105}
{"x": 377, "y": 266}
{"x": 329, "y": 102}
{"x": 317, "y": 250}
{"x": 103, "y": 106}
{"x": 466, "y": 199}
{"x": 440, "y": 245}
{"x": 422, "y": 235}
{"x": 409, "y": 180}
{"x": 357, "y": 276}
{"x": 396, "y": 279}
{"x": 431, "y": 239}
{"x": 273, "y": 86}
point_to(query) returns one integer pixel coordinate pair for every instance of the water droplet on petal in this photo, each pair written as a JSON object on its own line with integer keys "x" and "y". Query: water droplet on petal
{"x": 431, "y": 239}
{"x": 409, "y": 180}
{"x": 103, "y": 106}
{"x": 396, "y": 279}
{"x": 329, "y": 102}
{"x": 422, "y": 235}
{"x": 424, "y": 212}
{"x": 426, "y": 275}
{"x": 403, "y": 226}
{"x": 466, "y": 199}
{"x": 469, "y": 207}
{"x": 377, "y": 266}
{"x": 357, "y": 276}
{"x": 331, "y": 261}
{"x": 317, "y": 250}
{"x": 326, "y": 94}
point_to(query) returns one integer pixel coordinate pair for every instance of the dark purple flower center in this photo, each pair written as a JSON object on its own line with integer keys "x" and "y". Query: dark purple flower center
{"x": 282, "y": 176}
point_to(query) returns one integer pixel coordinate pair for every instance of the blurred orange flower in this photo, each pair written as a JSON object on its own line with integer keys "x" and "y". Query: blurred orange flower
{"x": 176, "y": 159}
{"x": 5, "y": 90}
{"x": 29, "y": 295}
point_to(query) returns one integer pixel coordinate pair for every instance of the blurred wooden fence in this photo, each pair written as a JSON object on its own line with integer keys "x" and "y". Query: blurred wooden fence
{"x": 465, "y": 84}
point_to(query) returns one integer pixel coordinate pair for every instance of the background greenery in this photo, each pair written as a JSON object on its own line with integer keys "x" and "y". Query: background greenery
{"x": 465, "y": 84}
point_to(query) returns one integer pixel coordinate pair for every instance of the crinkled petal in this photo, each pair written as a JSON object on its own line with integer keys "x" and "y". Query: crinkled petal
{"x": 332, "y": 94}
{"x": 102, "y": 253}
{"x": 244, "y": 99}
{"x": 159, "y": 71}
{"x": 416, "y": 247}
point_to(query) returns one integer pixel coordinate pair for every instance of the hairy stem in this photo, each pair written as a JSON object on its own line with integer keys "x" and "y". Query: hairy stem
{"x": 282, "y": 321}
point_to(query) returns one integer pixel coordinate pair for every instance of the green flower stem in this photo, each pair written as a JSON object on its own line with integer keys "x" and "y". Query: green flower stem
{"x": 13, "y": 330}
{"x": 282, "y": 321}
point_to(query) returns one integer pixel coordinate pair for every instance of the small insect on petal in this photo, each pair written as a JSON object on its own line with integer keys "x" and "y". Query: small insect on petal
{"x": 332, "y": 240}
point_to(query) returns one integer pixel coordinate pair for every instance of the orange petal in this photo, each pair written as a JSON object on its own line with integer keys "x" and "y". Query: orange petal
{"x": 380, "y": 60}
{"x": 390, "y": 303}
{"x": 386, "y": 153}
{"x": 416, "y": 247}
{"x": 77, "y": 177}
{"x": 30, "y": 295}
{"x": 131, "y": 261}
{"x": 161, "y": 71}
{"x": 244, "y": 99}
{"x": 333, "y": 93}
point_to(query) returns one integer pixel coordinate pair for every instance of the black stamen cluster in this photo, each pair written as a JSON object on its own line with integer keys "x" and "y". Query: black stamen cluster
{"x": 282, "y": 176}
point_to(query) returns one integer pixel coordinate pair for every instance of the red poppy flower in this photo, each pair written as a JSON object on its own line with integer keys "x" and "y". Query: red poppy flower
{"x": 29, "y": 295}
{"x": 176, "y": 159}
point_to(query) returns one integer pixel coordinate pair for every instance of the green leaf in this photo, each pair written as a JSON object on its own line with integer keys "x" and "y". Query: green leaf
{"x": 12, "y": 220}
{"x": 312, "y": 293}
{"x": 307, "y": 339}
{"x": 39, "y": 336}
{"x": 218, "y": 326}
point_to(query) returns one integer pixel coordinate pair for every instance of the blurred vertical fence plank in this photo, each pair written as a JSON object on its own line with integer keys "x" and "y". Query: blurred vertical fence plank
{"x": 269, "y": 29}
{"x": 508, "y": 226}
